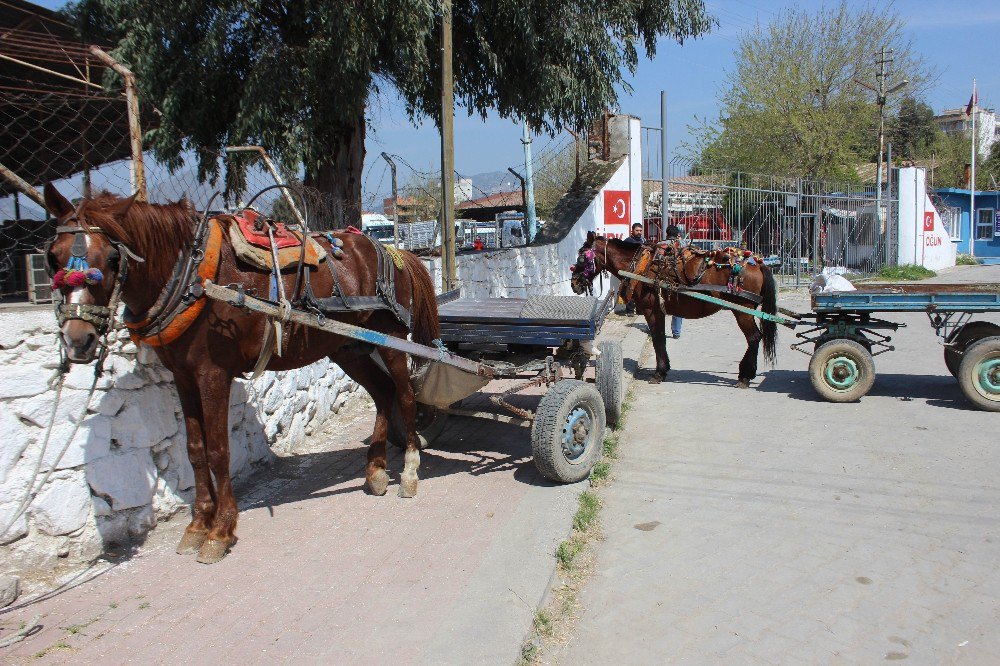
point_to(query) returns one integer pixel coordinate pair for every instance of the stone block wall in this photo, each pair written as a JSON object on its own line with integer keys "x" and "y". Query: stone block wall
{"x": 126, "y": 467}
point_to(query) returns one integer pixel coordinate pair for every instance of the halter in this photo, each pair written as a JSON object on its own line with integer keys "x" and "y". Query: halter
{"x": 101, "y": 317}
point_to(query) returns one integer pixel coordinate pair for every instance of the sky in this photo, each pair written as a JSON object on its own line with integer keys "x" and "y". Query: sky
{"x": 958, "y": 39}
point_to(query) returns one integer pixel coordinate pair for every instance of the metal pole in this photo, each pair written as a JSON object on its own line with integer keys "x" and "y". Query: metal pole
{"x": 529, "y": 180}
{"x": 972, "y": 178}
{"x": 798, "y": 232}
{"x": 17, "y": 205}
{"x": 892, "y": 220}
{"x": 664, "y": 189}
{"x": 134, "y": 130}
{"x": 524, "y": 197}
{"x": 881, "y": 134}
{"x": 448, "y": 273}
{"x": 286, "y": 195}
{"x": 395, "y": 201}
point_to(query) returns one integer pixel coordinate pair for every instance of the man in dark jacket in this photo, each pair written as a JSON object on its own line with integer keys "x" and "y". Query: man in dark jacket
{"x": 635, "y": 238}
{"x": 674, "y": 234}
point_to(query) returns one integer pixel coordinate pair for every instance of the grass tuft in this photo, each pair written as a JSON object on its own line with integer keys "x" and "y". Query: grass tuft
{"x": 966, "y": 260}
{"x": 905, "y": 272}
{"x": 586, "y": 514}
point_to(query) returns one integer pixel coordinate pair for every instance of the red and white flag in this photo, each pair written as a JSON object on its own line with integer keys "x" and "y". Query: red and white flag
{"x": 973, "y": 102}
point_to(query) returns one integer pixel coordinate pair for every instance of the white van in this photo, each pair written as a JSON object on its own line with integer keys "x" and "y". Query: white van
{"x": 377, "y": 226}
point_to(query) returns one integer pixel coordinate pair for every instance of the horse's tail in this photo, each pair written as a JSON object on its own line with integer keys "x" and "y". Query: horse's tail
{"x": 424, "y": 324}
{"x": 769, "y": 295}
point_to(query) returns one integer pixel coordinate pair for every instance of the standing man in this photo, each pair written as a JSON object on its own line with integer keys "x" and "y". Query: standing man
{"x": 674, "y": 234}
{"x": 634, "y": 238}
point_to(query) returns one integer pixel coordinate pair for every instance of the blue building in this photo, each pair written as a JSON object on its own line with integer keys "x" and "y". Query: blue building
{"x": 983, "y": 229}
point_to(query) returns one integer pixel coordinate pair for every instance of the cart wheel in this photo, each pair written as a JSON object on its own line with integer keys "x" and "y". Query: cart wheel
{"x": 842, "y": 370}
{"x": 609, "y": 379}
{"x": 962, "y": 337}
{"x": 567, "y": 435}
{"x": 430, "y": 423}
{"x": 979, "y": 374}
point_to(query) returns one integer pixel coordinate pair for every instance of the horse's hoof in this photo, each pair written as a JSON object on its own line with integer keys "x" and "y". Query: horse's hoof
{"x": 743, "y": 384}
{"x": 212, "y": 551}
{"x": 655, "y": 379}
{"x": 378, "y": 483}
{"x": 408, "y": 487}
{"x": 191, "y": 542}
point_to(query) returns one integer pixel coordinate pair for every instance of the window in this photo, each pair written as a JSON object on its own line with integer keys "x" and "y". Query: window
{"x": 951, "y": 217}
{"x": 984, "y": 224}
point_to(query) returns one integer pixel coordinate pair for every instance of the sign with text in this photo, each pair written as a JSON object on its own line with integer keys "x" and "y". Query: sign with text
{"x": 616, "y": 211}
{"x": 929, "y": 220}
{"x": 996, "y": 223}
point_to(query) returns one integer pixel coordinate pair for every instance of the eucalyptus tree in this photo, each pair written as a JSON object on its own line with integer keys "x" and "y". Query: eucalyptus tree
{"x": 295, "y": 75}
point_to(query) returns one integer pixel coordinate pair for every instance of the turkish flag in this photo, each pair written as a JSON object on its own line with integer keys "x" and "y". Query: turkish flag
{"x": 929, "y": 220}
{"x": 616, "y": 208}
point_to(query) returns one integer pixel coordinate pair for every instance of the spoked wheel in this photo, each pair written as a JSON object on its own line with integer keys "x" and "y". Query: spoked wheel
{"x": 964, "y": 336}
{"x": 567, "y": 435}
{"x": 431, "y": 421}
{"x": 610, "y": 366}
{"x": 979, "y": 374}
{"x": 842, "y": 370}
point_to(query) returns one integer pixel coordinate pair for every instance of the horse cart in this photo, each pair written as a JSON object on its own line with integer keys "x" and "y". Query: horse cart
{"x": 536, "y": 340}
{"x": 843, "y": 335}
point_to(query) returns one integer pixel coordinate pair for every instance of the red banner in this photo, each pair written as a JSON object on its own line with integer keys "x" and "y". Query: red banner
{"x": 616, "y": 208}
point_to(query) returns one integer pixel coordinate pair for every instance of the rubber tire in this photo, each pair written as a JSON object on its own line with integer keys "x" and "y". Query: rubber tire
{"x": 610, "y": 381}
{"x": 547, "y": 431}
{"x": 962, "y": 338}
{"x": 856, "y": 352}
{"x": 427, "y": 432}
{"x": 967, "y": 376}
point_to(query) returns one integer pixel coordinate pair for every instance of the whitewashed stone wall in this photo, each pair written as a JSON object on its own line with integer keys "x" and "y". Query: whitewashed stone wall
{"x": 127, "y": 466}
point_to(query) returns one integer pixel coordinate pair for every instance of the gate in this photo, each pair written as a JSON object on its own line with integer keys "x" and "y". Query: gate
{"x": 799, "y": 226}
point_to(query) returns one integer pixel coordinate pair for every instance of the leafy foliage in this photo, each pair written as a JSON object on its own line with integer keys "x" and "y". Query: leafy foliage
{"x": 793, "y": 104}
{"x": 913, "y": 131}
{"x": 295, "y": 76}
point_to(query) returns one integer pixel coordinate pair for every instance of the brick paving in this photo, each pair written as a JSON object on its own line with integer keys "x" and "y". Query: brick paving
{"x": 765, "y": 526}
{"x": 324, "y": 573}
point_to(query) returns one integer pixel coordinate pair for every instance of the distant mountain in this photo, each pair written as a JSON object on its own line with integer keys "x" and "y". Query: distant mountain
{"x": 492, "y": 182}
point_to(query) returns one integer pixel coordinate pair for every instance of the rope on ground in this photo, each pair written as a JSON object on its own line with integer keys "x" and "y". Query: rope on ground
{"x": 21, "y": 634}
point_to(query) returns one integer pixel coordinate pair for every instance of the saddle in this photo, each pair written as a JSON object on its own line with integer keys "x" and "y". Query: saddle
{"x": 252, "y": 244}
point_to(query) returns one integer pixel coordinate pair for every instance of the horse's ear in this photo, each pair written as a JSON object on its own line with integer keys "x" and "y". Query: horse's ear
{"x": 55, "y": 203}
{"x": 590, "y": 238}
{"x": 121, "y": 207}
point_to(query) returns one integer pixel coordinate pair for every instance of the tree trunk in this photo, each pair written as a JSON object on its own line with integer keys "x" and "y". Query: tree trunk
{"x": 337, "y": 175}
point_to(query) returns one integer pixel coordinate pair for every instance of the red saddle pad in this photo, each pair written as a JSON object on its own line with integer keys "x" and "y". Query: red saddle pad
{"x": 282, "y": 237}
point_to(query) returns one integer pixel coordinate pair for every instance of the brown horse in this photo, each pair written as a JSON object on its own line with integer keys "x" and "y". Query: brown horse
{"x": 690, "y": 267}
{"x": 220, "y": 342}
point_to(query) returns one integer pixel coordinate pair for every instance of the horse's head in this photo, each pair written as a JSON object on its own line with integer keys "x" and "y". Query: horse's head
{"x": 586, "y": 267}
{"x": 87, "y": 268}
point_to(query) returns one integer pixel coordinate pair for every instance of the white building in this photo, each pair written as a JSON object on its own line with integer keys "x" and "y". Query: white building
{"x": 954, "y": 121}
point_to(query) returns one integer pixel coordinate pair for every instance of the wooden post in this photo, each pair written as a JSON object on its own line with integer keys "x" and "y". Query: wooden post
{"x": 134, "y": 129}
{"x": 22, "y": 186}
{"x": 448, "y": 274}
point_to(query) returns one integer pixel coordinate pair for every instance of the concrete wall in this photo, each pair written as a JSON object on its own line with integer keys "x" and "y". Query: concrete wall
{"x": 127, "y": 466}
{"x": 923, "y": 238}
{"x": 543, "y": 269}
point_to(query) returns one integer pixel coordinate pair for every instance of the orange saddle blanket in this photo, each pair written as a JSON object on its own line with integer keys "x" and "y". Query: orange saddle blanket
{"x": 249, "y": 221}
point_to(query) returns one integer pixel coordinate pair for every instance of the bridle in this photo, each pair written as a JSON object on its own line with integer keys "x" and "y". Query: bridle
{"x": 101, "y": 317}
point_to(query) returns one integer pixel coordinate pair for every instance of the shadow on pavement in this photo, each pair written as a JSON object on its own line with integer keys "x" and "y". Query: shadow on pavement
{"x": 937, "y": 390}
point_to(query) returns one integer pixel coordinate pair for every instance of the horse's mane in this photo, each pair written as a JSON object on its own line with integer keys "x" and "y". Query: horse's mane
{"x": 156, "y": 232}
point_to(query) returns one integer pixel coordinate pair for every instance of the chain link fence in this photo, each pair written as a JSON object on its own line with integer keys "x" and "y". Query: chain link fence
{"x": 798, "y": 226}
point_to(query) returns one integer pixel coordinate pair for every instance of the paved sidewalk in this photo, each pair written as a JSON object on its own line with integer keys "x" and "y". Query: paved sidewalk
{"x": 764, "y": 526}
{"x": 324, "y": 573}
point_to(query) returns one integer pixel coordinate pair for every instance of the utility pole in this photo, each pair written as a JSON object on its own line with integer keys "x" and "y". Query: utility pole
{"x": 395, "y": 201}
{"x": 664, "y": 189}
{"x": 881, "y": 95}
{"x": 447, "y": 153}
{"x": 529, "y": 202}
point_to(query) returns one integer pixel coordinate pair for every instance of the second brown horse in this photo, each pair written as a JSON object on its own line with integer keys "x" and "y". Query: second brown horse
{"x": 691, "y": 268}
